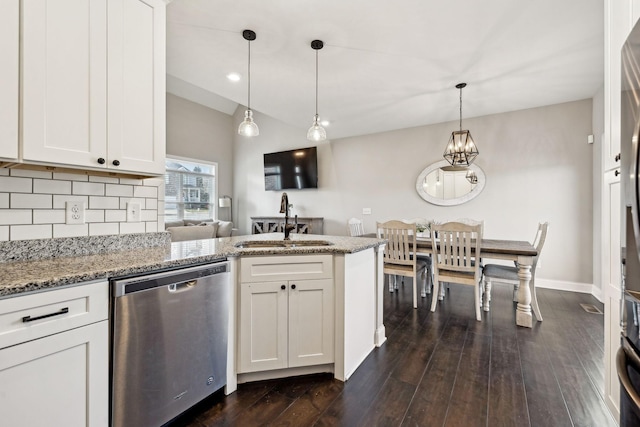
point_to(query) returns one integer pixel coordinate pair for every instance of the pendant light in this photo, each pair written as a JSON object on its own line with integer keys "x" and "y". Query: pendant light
{"x": 316, "y": 131}
{"x": 461, "y": 150}
{"x": 248, "y": 126}
{"x": 471, "y": 176}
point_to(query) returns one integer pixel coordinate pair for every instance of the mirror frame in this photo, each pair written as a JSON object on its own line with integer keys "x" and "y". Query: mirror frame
{"x": 455, "y": 201}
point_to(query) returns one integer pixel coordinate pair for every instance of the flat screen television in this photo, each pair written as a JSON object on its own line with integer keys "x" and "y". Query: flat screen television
{"x": 292, "y": 169}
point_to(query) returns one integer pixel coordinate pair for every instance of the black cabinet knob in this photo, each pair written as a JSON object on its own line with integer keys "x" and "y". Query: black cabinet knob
{"x": 618, "y": 157}
{"x": 293, "y": 286}
{"x": 101, "y": 161}
{"x": 283, "y": 287}
{"x": 617, "y": 172}
{"x": 116, "y": 163}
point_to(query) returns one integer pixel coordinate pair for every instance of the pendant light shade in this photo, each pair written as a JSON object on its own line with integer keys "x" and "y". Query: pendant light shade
{"x": 461, "y": 149}
{"x": 316, "y": 131}
{"x": 248, "y": 126}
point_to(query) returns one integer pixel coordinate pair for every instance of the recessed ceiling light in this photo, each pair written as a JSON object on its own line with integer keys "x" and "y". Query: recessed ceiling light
{"x": 325, "y": 122}
{"x": 234, "y": 77}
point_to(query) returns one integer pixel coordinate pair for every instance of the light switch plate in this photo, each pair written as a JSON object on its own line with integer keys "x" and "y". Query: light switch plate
{"x": 366, "y": 211}
{"x": 75, "y": 212}
{"x": 133, "y": 212}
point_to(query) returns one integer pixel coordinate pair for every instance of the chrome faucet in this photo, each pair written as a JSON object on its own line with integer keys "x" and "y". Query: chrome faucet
{"x": 284, "y": 208}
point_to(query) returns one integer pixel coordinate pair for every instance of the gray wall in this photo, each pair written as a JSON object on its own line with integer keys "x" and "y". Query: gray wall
{"x": 199, "y": 132}
{"x": 538, "y": 166}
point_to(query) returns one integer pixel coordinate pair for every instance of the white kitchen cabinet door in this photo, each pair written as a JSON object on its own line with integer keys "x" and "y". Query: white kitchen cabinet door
{"x": 136, "y": 94}
{"x": 64, "y": 81}
{"x": 311, "y": 322}
{"x": 9, "y": 83}
{"x": 59, "y": 380}
{"x": 263, "y": 326}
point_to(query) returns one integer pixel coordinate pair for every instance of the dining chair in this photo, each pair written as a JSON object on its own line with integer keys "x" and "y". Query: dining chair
{"x": 355, "y": 227}
{"x": 456, "y": 258}
{"x": 509, "y": 274}
{"x": 423, "y": 227}
{"x": 398, "y": 259}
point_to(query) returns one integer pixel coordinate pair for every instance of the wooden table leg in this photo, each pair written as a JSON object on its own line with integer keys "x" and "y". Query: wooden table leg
{"x": 523, "y": 310}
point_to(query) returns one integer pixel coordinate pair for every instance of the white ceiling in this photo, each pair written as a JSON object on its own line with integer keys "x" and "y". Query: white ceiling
{"x": 386, "y": 64}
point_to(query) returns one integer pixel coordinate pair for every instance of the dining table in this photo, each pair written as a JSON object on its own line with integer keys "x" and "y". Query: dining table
{"x": 520, "y": 251}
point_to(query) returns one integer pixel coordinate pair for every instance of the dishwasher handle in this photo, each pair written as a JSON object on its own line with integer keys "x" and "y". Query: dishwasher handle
{"x": 180, "y": 287}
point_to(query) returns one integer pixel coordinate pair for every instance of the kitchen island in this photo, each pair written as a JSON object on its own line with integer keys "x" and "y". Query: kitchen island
{"x": 351, "y": 269}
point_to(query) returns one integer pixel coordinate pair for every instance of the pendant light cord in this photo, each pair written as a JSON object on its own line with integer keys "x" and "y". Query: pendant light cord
{"x": 316, "y": 82}
{"x": 460, "y": 109}
{"x": 249, "y": 78}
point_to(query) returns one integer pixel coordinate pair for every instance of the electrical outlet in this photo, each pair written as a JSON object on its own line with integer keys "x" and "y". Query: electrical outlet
{"x": 366, "y": 211}
{"x": 133, "y": 212}
{"x": 75, "y": 213}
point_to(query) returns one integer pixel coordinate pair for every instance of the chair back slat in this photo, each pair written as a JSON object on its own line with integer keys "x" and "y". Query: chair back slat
{"x": 457, "y": 246}
{"x": 356, "y": 228}
{"x": 402, "y": 241}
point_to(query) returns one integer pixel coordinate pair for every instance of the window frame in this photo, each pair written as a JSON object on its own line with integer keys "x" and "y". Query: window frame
{"x": 213, "y": 201}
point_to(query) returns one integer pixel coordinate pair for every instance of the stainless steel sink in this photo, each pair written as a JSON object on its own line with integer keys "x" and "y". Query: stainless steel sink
{"x": 281, "y": 243}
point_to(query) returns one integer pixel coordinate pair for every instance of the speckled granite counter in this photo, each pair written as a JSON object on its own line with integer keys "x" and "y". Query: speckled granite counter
{"x": 67, "y": 267}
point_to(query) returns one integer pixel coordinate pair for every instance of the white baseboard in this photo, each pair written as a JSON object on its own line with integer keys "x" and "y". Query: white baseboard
{"x": 561, "y": 285}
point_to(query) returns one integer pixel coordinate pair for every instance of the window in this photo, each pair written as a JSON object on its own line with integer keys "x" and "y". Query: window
{"x": 190, "y": 189}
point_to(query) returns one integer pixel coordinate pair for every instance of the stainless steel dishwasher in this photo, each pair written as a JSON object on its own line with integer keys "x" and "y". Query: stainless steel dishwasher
{"x": 169, "y": 342}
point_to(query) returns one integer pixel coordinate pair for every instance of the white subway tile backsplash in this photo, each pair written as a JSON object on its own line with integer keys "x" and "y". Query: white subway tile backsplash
{"x": 29, "y": 232}
{"x": 125, "y": 200}
{"x": 50, "y": 186}
{"x": 32, "y": 201}
{"x": 148, "y": 215}
{"x": 70, "y": 230}
{"x": 119, "y": 190}
{"x": 49, "y": 216}
{"x": 88, "y": 188}
{"x": 115, "y": 215}
{"x": 131, "y": 181}
{"x": 70, "y": 176}
{"x": 31, "y": 173}
{"x": 132, "y": 227}
{"x": 60, "y": 201}
{"x": 94, "y": 215}
{"x": 145, "y": 192}
{"x": 107, "y": 179}
{"x": 16, "y": 185}
{"x": 15, "y": 216}
{"x": 104, "y": 202}
{"x": 101, "y": 229}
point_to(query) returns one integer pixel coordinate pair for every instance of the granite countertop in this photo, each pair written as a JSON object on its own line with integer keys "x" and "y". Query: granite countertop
{"x": 18, "y": 277}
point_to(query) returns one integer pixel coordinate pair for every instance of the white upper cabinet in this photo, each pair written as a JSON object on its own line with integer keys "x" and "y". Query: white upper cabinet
{"x": 93, "y": 84}
{"x": 9, "y": 83}
{"x": 136, "y": 89}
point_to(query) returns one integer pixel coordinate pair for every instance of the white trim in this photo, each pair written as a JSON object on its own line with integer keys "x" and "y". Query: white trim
{"x": 561, "y": 285}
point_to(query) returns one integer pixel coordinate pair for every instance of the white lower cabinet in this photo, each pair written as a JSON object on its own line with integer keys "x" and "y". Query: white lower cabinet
{"x": 57, "y": 375}
{"x": 289, "y": 322}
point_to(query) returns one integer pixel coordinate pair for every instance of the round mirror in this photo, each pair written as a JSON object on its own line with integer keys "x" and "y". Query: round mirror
{"x": 446, "y": 185}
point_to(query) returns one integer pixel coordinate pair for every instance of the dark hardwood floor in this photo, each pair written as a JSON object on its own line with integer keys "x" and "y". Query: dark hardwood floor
{"x": 445, "y": 369}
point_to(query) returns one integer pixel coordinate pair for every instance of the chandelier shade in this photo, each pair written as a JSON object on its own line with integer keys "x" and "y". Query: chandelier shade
{"x": 248, "y": 127}
{"x": 461, "y": 150}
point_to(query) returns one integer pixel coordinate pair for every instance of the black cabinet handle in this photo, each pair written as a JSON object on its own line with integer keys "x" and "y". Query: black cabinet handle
{"x": 101, "y": 161}
{"x": 618, "y": 157}
{"x": 283, "y": 287}
{"x": 617, "y": 172}
{"x": 116, "y": 163}
{"x": 27, "y": 319}
{"x": 293, "y": 286}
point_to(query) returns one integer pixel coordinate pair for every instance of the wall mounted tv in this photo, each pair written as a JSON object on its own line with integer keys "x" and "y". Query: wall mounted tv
{"x": 293, "y": 169}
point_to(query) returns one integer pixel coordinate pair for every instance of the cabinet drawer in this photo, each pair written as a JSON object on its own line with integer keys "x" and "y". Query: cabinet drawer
{"x": 288, "y": 267}
{"x": 25, "y": 318}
